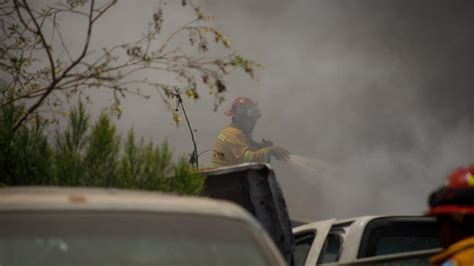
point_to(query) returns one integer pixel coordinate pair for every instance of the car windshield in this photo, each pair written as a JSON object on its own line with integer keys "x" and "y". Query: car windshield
{"x": 85, "y": 238}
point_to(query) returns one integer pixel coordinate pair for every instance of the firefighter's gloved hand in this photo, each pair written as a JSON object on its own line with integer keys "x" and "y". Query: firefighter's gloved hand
{"x": 279, "y": 153}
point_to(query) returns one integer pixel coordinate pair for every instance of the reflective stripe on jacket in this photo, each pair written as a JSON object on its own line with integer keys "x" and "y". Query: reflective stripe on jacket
{"x": 232, "y": 146}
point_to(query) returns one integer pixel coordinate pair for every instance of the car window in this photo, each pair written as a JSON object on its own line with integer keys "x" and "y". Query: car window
{"x": 331, "y": 249}
{"x": 395, "y": 244}
{"x": 384, "y": 237}
{"x": 303, "y": 244}
{"x": 83, "y": 238}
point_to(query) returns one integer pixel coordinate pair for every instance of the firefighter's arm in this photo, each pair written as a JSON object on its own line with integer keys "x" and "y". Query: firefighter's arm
{"x": 245, "y": 153}
{"x": 276, "y": 151}
{"x": 261, "y": 155}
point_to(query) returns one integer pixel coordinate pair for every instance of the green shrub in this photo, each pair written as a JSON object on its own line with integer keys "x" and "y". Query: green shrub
{"x": 69, "y": 146}
{"x": 84, "y": 155}
{"x": 101, "y": 156}
{"x": 26, "y": 156}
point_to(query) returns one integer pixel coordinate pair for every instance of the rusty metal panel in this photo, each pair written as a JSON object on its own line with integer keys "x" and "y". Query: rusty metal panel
{"x": 255, "y": 188}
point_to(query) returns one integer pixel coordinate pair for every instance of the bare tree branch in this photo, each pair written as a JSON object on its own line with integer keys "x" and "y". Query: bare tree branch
{"x": 63, "y": 44}
{"x": 194, "y": 155}
{"x": 52, "y": 86}
{"x": 102, "y": 11}
{"x": 162, "y": 48}
{"x": 115, "y": 69}
{"x": 40, "y": 34}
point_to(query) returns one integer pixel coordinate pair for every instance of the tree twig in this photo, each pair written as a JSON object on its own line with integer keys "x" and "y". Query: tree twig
{"x": 39, "y": 32}
{"x": 194, "y": 155}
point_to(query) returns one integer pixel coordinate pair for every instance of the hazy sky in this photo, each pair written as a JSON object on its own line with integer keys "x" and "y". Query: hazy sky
{"x": 382, "y": 90}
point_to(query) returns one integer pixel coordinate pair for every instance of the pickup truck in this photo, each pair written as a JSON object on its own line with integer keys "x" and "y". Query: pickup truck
{"x": 381, "y": 240}
{"x": 83, "y": 226}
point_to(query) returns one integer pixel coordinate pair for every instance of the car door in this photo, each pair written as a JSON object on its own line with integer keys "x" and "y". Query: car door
{"x": 309, "y": 241}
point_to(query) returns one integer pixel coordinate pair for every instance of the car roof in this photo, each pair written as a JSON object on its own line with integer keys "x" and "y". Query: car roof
{"x": 344, "y": 221}
{"x": 360, "y": 220}
{"x": 68, "y": 198}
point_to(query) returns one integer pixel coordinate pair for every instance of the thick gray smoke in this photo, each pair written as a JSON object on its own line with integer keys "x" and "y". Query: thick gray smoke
{"x": 380, "y": 92}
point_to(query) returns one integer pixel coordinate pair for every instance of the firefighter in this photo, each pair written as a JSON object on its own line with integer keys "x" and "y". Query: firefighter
{"x": 453, "y": 206}
{"x": 234, "y": 144}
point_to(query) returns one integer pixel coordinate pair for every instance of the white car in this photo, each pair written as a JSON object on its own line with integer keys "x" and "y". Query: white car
{"x": 367, "y": 240}
{"x": 82, "y": 226}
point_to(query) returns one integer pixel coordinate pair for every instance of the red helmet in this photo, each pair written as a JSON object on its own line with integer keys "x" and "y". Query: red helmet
{"x": 457, "y": 197}
{"x": 243, "y": 105}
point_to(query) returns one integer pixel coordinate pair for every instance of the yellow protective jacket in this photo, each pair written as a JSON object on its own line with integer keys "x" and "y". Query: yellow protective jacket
{"x": 459, "y": 254}
{"x": 232, "y": 146}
